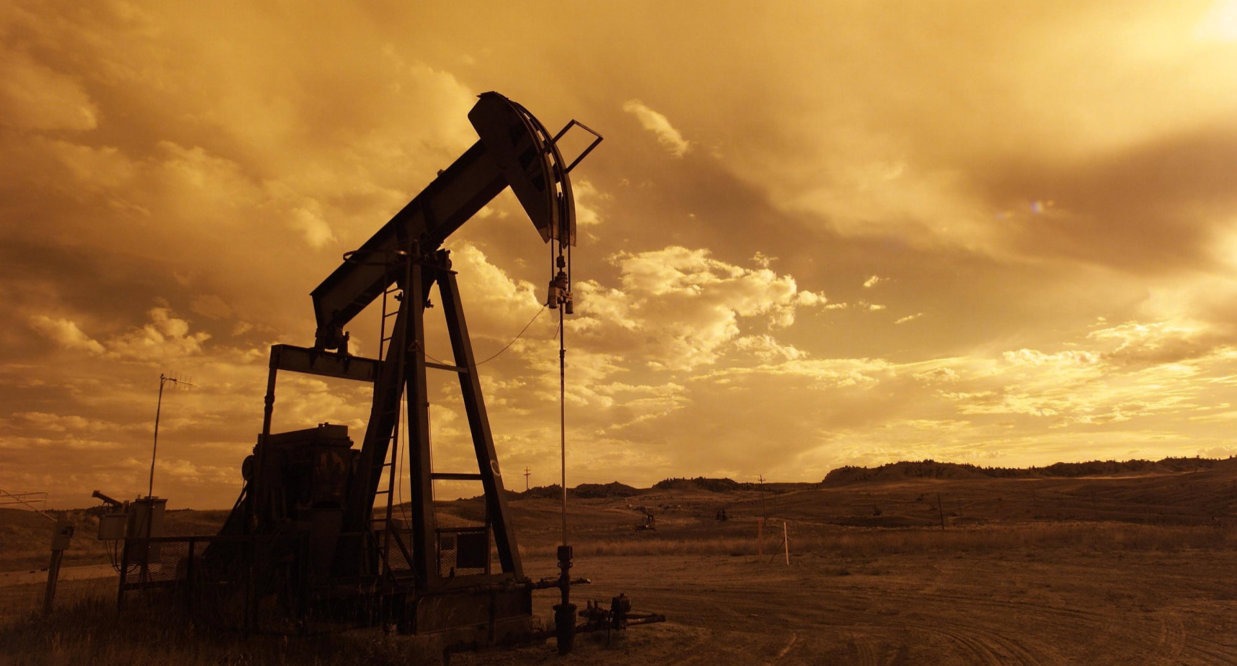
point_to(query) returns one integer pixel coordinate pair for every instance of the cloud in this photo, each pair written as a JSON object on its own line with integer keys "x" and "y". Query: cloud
{"x": 34, "y": 96}
{"x": 680, "y": 308}
{"x": 1059, "y": 361}
{"x": 588, "y": 203}
{"x": 1131, "y": 372}
{"x": 1156, "y": 206}
{"x": 65, "y": 333}
{"x": 644, "y": 355}
{"x": 767, "y": 349}
{"x": 1157, "y": 342}
{"x": 212, "y": 306}
{"x": 307, "y": 218}
{"x": 150, "y": 162}
{"x": 495, "y": 301}
{"x": 660, "y": 126}
{"x": 165, "y": 338}
{"x": 831, "y": 373}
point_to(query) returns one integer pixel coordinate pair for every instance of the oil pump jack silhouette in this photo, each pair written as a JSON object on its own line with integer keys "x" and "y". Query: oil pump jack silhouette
{"x": 311, "y": 535}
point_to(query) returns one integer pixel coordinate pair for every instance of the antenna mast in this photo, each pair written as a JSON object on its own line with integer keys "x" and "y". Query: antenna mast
{"x": 163, "y": 380}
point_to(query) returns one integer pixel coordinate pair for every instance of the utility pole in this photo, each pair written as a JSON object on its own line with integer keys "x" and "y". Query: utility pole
{"x": 763, "y": 513}
{"x": 526, "y": 473}
{"x": 760, "y": 523}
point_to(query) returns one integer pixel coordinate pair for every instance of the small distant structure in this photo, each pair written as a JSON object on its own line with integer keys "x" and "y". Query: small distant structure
{"x": 136, "y": 528}
{"x": 649, "y": 522}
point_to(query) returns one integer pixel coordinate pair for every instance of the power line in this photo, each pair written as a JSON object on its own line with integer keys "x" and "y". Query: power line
{"x": 517, "y": 337}
{"x": 505, "y": 347}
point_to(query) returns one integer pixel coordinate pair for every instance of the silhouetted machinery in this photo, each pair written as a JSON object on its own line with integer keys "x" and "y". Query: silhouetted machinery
{"x": 304, "y": 530}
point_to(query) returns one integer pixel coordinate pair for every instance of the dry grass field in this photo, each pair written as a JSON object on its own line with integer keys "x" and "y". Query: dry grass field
{"x": 1119, "y": 569}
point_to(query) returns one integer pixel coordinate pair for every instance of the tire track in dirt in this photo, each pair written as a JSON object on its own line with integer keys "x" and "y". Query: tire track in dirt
{"x": 1008, "y": 627}
{"x": 1187, "y": 646}
{"x": 871, "y": 642}
{"x": 982, "y": 641}
{"x": 987, "y": 647}
{"x": 980, "y": 629}
{"x": 739, "y": 619}
{"x": 794, "y": 638}
{"x": 1213, "y": 651}
{"x": 908, "y": 609}
{"x": 1161, "y": 632}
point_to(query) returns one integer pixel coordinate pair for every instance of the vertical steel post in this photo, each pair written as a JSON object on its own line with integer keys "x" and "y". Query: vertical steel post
{"x": 62, "y": 532}
{"x": 259, "y": 454}
{"x": 124, "y": 574}
{"x": 425, "y": 528}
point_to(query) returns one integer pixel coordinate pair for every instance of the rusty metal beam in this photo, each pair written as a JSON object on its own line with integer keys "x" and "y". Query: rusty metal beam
{"x": 497, "y": 512}
{"x": 327, "y": 364}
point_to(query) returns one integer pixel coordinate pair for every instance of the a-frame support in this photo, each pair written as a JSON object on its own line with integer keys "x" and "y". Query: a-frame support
{"x": 408, "y": 358}
{"x": 483, "y": 441}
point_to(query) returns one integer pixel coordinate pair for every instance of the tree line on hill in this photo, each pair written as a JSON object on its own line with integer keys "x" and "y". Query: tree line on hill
{"x": 922, "y": 469}
{"x": 931, "y": 469}
{"x": 616, "y": 489}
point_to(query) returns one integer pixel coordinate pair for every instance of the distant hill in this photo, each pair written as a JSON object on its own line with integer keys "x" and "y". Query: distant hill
{"x": 612, "y": 489}
{"x": 617, "y": 489}
{"x": 897, "y": 471}
{"x": 539, "y": 492}
{"x": 931, "y": 469}
{"x": 584, "y": 490}
{"x": 701, "y": 483}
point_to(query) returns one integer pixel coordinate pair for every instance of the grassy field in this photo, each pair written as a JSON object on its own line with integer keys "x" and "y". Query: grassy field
{"x": 1084, "y": 570}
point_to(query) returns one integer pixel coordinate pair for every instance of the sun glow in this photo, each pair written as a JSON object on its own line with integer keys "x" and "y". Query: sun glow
{"x": 1219, "y": 24}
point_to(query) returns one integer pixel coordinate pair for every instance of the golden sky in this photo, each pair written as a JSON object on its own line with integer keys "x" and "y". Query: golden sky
{"x": 817, "y": 233}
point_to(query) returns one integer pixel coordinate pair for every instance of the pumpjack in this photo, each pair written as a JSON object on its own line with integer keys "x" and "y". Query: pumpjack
{"x": 305, "y": 527}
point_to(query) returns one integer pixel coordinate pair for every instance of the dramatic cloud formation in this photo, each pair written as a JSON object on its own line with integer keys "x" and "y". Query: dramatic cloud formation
{"x": 659, "y": 125}
{"x": 816, "y": 234}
